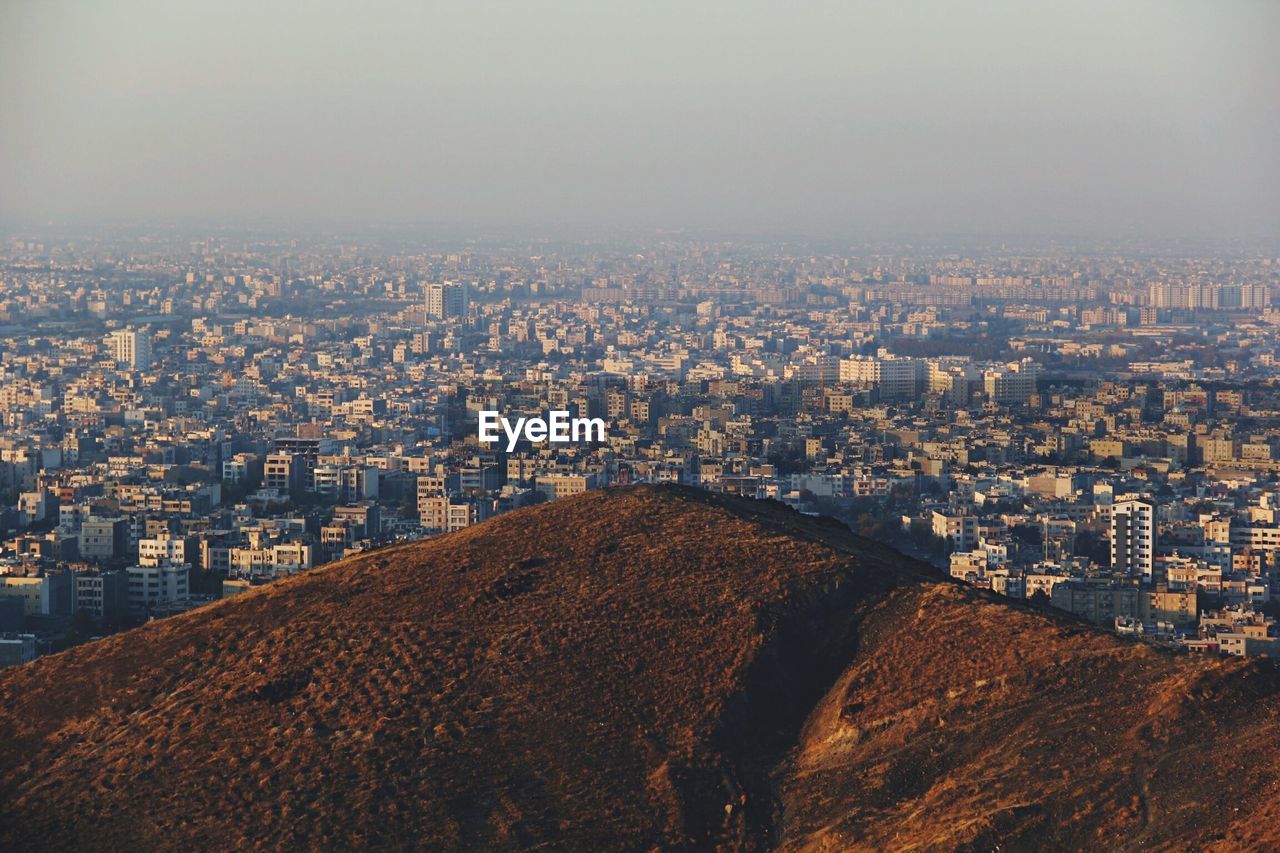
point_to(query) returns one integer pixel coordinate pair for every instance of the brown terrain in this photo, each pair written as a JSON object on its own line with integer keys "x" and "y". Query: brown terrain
{"x": 637, "y": 668}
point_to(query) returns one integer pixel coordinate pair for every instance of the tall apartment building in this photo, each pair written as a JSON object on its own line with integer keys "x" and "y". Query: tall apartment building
{"x": 954, "y": 379}
{"x": 130, "y": 348}
{"x": 293, "y": 460}
{"x": 1013, "y": 383}
{"x": 155, "y": 585}
{"x": 1133, "y": 538}
{"x": 897, "y": 378}
{"x": 446, "y": 300}
{"x": 166, "y": 550}
{"x": 443, "y": 514}
{"x": 283, "y": 471}
{"x": 901, "y": 378}
{"x": 1102, "y": 603}
{"x": 960, "y": 530}
{"x": 104, "y": 538}
{"x": 1213, "y": 297}
{"x": 269, "y": 560}
{"x": 104, "y": 595}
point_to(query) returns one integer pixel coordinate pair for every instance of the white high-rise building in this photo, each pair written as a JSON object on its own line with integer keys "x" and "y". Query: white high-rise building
{"x": 1013, "y": 383}
{"x": 446, "y": 300}
{"x": 130, "y": 348}
{"x": 897, "y": 378}
{"x": 1133, "y": 538}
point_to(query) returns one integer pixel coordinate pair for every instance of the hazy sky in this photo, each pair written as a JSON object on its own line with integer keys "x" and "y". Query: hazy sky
{"x": 1153, "y": 117}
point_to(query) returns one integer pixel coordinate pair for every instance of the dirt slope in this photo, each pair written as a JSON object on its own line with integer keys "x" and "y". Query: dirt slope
{"x": 964, "y": 723}
{"x": 634, "y": 668}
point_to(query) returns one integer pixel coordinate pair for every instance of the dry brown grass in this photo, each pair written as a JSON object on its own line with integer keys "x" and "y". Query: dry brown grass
{"x": 643, "y": 667}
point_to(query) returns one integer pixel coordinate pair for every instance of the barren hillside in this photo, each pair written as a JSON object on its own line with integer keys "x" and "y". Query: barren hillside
{"x": 632, "y": 668}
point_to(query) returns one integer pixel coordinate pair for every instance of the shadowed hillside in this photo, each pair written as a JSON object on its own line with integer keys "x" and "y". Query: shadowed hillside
{"x": 639, "y": 667}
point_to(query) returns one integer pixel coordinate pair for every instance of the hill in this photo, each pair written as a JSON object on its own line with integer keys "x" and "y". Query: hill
{"x": 643, "y": 667}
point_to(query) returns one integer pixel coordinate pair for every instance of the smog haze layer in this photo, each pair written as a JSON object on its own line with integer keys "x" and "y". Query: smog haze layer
{"x": 1153, "y": 119}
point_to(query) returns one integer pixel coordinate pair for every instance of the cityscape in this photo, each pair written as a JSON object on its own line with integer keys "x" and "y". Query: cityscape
{"x": 588, "y": 426}
{"x": 185, "y": 420}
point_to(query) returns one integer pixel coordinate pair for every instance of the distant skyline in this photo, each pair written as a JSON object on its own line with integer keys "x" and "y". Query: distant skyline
{"x": 1089, "y": 118}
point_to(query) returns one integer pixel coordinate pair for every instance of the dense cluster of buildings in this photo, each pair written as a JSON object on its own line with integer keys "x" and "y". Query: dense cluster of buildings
{"x": 184, "y": 421}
